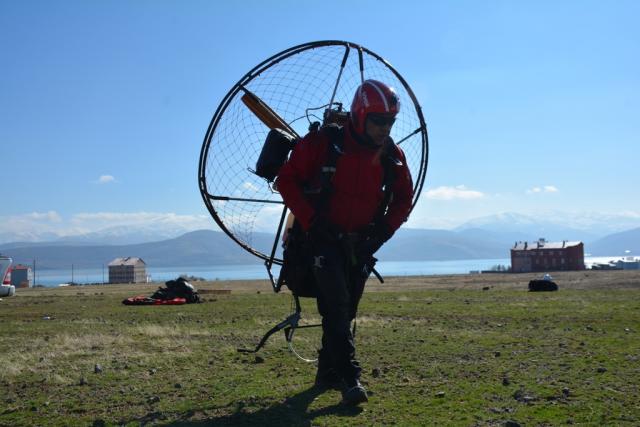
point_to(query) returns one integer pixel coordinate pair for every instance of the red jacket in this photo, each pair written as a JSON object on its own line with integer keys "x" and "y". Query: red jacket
{"x": 357, "y": 183}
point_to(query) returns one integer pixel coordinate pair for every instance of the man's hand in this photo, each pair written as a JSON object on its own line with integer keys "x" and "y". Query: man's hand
{"x": 382, "y": 231}
{"x": 376, "y": 237}
{"x": 366, "y": 249}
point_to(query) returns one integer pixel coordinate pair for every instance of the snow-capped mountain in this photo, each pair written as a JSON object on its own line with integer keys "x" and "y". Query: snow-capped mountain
{"x": 556, "y": 225}
{"x": 117, "y": 235}
{"x": 124, "y": 235}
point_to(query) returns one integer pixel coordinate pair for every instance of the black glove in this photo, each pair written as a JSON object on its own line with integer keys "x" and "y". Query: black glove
{"x": 377, "y": 235}
{"x": 366, "y": 249}
{"x": 382, "y": 231}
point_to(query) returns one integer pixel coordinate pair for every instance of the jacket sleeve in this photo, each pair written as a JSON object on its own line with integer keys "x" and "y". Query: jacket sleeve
{"x": 400, "y": 205}
{"x": 301, "y": 167}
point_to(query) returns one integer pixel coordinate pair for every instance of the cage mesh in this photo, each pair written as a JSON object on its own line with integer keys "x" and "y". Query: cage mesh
{"x": 290, "y": 84}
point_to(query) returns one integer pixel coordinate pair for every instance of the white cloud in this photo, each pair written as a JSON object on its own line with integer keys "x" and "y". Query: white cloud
{"x": 30, "y": 226}
{"x": 99, "y": 220}
{"x": 249, "y": 186}
{"x": 50, "y": 216}
{"x": 268, "y": 218}
{"x": 629, "y": 214}
{"x": 105, "y": 179}
{"x": 543, "y": 189}
{"x": 453, "y": 193}
{"x": 36, "y": 226}
{"x": 433, "y": 222}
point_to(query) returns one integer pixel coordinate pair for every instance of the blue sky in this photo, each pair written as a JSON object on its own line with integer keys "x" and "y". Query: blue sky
{"x": 532, "y": 107}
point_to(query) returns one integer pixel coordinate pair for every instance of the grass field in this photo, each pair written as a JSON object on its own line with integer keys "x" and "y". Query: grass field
{"x": 441, "y": 350}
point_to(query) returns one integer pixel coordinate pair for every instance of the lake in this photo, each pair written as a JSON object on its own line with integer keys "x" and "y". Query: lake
{"x": 258, "y": 271}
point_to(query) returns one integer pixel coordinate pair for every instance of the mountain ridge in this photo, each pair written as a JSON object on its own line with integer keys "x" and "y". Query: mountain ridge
{"x": 556, "y": 225}
{"x": 208, "y": 247}
{"x": 552, "y": 225}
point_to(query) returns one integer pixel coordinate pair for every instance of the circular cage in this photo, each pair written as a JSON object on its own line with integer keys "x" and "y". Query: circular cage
{"x": 298, "y": 84}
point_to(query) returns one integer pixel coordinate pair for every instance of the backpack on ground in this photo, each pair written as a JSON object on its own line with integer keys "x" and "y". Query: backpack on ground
{"x": 542, "y": 286}
{"x": 179, "y": 288}
{"x": 175, "y": 292}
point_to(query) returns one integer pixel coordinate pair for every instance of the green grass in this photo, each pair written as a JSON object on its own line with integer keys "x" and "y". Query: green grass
{"x": 441, "y": 357}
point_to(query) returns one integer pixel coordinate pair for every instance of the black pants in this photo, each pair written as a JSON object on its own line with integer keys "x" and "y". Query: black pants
{"x": 340, "y": 286}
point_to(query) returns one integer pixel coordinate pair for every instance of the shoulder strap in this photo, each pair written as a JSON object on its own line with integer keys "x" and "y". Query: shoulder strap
{"x": 388, "y": 159}
{"x": 335, "y": 134}
{"x": 389, "y": 162}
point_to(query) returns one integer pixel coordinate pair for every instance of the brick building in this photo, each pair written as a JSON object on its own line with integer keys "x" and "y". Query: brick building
{"x": 127, "y": 270}
{"x": 547, "y": 256}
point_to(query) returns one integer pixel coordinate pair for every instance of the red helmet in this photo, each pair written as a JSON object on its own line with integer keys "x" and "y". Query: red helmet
{"x": 372, "y": 96}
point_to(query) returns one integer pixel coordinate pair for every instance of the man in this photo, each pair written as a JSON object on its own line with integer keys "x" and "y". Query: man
{"x": 349, "y": 221}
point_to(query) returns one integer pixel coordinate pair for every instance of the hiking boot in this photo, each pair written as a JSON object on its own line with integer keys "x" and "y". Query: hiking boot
{"x": 328, "y": 379}
{"x": 354, "y": 394}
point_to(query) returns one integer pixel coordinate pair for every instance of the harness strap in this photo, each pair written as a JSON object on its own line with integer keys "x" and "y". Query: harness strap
{"x": 335, "y": 134}
{"x": 334, "y": 151}
{"x": 389, "y": 175}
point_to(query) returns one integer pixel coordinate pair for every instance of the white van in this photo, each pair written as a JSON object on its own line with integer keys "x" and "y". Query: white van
{"x": 6, "y": 288}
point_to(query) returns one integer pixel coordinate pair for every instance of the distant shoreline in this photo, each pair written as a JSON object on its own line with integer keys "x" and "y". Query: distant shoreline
{"x": 257, "y": 270}
{"x": 566, "y": 280}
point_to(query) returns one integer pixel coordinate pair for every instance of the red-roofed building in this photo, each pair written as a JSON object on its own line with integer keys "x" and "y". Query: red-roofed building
{"x": 543, "y": 256}
{"x": 21, "y": 276}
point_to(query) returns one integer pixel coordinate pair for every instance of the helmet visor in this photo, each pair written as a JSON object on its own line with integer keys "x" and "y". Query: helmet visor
{"x": 381, "y": 120}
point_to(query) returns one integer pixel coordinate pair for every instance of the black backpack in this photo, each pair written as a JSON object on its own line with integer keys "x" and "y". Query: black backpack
{"x": 542, "y": 286}
{"x": 274, "y": 154}
{"x": 178, "y": 288}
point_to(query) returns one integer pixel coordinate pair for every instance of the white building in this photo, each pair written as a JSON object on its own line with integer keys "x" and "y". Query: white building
{"x": 127, "y": 270}
{"x": 629, "y": 263}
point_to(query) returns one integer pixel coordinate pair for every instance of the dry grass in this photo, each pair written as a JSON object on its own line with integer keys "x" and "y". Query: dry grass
{"x": 574, "y": 354}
